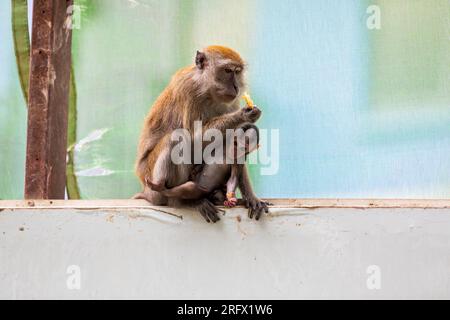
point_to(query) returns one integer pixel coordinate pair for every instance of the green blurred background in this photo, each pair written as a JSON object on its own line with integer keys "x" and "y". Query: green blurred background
{"x": 361, "y": 112}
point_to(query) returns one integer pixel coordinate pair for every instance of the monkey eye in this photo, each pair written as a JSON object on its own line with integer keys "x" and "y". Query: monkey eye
{"x": 228, "y": 70}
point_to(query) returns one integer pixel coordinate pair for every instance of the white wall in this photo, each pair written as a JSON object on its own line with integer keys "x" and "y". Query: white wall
{"x": 293, "y": 253}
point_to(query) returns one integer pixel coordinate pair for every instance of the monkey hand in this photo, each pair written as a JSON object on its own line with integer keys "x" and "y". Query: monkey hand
{"x": 251, "y": 114}
{"x": 230, "y": 203}
{"x": 256, "y": 207}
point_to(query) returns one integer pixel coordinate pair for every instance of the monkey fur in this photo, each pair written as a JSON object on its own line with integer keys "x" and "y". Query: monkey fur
{"x": 208, "y": 91}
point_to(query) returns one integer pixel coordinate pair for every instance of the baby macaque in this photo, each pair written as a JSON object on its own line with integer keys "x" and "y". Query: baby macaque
{"x": 208, "y": 178}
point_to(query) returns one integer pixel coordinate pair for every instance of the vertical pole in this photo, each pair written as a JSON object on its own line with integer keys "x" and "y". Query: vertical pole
{"x": 45, "y": 174}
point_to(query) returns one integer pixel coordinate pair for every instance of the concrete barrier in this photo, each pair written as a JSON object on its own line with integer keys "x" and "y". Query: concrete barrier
{"x": 102, "y": 251}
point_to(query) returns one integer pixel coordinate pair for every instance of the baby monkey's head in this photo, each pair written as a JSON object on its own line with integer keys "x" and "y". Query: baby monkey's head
{"x": 246, "y": 140}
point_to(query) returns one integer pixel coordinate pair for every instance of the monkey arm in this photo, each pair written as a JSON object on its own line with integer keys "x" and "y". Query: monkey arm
{"x": 147, "y": 143}
{"x": 245, "y": 184}
{"x": 224, "y": 122}
{"x": 233, "y": 120}
{"x": 252, "y": 202}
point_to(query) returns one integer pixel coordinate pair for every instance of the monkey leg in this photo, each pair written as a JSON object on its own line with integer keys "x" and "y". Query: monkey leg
{"x": 139, "y": 196}
{"x": 154, "y": 197}
{"x": 202, "y": 204}
{"x": 162, "y": 165}
{"x": 161, "y": 173}
{"x": 197, "y": 197}
{"x": 213, "y": 177}
{"x": 161, "y": 186}
{"x": 217, "y": 197}
{"x": 186, "y": 191}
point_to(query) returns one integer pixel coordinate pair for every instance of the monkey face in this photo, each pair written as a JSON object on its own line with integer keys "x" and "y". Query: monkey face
{"x": 229, "y": 83}
{"x": 246, "y": 140}
{"x": 224, "y": 70}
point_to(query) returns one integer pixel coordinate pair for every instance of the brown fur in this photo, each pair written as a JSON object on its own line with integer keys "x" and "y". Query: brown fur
{"x": 179, "y": 105}
{"x": 190, "y": 96}
{"x": 226, "y": 53}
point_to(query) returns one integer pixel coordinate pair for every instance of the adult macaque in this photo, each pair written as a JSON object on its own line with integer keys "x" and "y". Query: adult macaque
{"x": 223, "y": 176}
{"x": 208, "y": 91}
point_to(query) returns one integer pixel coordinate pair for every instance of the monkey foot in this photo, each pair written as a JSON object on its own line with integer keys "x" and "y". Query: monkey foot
{"x": 208, "y": 211}
{"x": 230, "y": 203}
{"x": 141, "y": 196}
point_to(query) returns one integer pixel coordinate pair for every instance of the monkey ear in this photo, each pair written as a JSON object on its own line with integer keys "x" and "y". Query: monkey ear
{"x": 200, "y": 60}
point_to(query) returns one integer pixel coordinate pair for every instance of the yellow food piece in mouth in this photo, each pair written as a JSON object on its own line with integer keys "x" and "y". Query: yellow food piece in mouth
{"x": 248, "y": 100}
